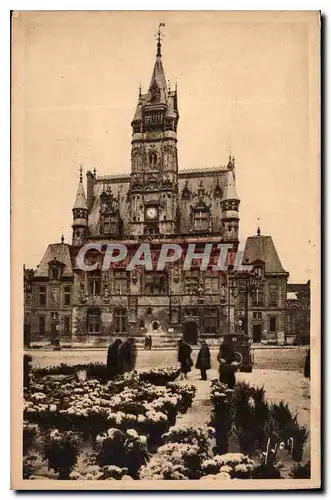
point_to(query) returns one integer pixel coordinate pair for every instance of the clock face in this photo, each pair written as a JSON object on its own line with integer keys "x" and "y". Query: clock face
{"x": 151, "y": 213}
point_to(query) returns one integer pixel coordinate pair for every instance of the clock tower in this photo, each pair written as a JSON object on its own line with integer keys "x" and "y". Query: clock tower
{"x": 154, "y": 164}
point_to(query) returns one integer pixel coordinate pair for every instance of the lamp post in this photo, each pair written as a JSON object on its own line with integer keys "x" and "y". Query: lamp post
{"x": 248, "y": 286}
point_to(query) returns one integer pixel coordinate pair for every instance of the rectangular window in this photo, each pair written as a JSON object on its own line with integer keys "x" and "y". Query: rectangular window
{"x": 272, "y": 324}
{"x": 41, "y": 325}
{"x": 120, "y": 282}
{"x": 42, "y": 295}
{"x": 120, "y": 320}
{"x": 191, "y": 282}
{"x": 106, "y": 225}
{"x": 66, "y": 326}
{"x": 210, "y": 321}
{"x": 94, "y": 282}
{"x": 212, "y": 284}
{"x": 94, "y": 322}
{"x": 257, "y": 299}
{"x": 67, "y": 295}
{"x": 242, "y": 294}
{"x": 273, "y": 296}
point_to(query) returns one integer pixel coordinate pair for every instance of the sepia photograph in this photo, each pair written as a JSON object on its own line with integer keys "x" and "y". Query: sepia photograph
{"x": 165, "y": 189}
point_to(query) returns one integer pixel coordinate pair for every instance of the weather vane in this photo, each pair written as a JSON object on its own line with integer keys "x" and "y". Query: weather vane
{"x": 159, "y": 35}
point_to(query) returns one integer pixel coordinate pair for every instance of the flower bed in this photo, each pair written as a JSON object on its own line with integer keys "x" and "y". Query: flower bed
{"x": 181, "y": 457}
{"x": 160, "y": 376}
{"x": 98, "y": 371}
{"x": 126, "y": 415}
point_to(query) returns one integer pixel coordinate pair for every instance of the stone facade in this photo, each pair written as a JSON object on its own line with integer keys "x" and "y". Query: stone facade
{"x": 155, "y": 203}
{"x": 298, "y": 313}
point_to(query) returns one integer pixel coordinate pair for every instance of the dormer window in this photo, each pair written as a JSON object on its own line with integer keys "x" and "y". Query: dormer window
{"x": 55, "y": 269}
{"x": 201, "y": 220}
{"x": 109, "y": 224}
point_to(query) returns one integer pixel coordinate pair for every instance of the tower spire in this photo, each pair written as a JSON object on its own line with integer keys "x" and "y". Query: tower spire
{"x": 80, "y": 202}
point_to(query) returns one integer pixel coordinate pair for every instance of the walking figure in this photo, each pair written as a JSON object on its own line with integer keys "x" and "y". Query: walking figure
{"x": 203, "y": 360}
{"x": 184, "y": 358}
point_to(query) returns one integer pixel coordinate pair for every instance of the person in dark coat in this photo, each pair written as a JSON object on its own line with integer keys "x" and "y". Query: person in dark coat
{"x": 226, "y": 356}
{"x": 307, "y": 365}
{"x": 146, "y": 343}
{"x": 128, "y": 355}
{"x": 113, "y": 358}
{"x": 203, "y": 360}
{"x": 150, "y": 343}
{"x": 184, "y": 358}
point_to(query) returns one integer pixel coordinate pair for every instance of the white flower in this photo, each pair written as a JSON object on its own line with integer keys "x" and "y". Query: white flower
{"x": 225, "y": 468}
{"x": 52, "y": 407}
{"x": 132, "y": 433}
{"x": 143, "y": 439}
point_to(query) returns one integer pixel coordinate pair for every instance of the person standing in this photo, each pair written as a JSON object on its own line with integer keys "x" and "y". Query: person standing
{"x": 128, "y": 355}
{"x": 146, "y": 343}
{"x": 113, "y": 358}
{"x": 184, "y": 358}
{"x": 150, "y": 343}
{"x": 226, "y": 357}
{"x": 203, "y": 360}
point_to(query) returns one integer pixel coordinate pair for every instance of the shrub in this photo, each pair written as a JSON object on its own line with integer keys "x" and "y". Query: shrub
{"x": 160, "y": 376}
{"x": 174, "y": 461}
{"x": 61, "y": 451}
{"x": 122, "y": 449}
{"x": 30, "y": 432}
{"x": 301, "y": 471}
{"x": 187, "y": 393}
{"x": 267, "y": 470}
{"x": 195, "y": 436}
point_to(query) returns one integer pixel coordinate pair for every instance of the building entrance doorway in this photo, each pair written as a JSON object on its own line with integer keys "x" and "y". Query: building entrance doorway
{"x": 257, "y": 333}
{"x": 191, "y": 332}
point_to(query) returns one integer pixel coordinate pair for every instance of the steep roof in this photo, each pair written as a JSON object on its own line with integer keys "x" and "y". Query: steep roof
{"x": 80, "y": 197}
{"x": 158, "y": 81}
{"x": 230, "y": 192}
{"x": 262, "y": 248}
{"x": 60, "y": 252}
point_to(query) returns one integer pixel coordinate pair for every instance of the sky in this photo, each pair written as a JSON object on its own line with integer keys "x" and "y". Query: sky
{"x": 244, "y": 84}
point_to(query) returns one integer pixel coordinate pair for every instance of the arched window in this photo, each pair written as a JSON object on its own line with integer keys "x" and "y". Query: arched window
{"x": 152, "y": 159}
{"x": 120, "y": 320}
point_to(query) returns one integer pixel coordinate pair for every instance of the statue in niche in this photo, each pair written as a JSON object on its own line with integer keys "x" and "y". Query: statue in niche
{"x": 176, "y": 274}
{"x": 82, "y": 291}
{"x": 132, "y": 316}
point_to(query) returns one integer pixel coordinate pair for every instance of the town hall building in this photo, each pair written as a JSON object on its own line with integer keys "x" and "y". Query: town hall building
{"x": 155, "y": 202}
